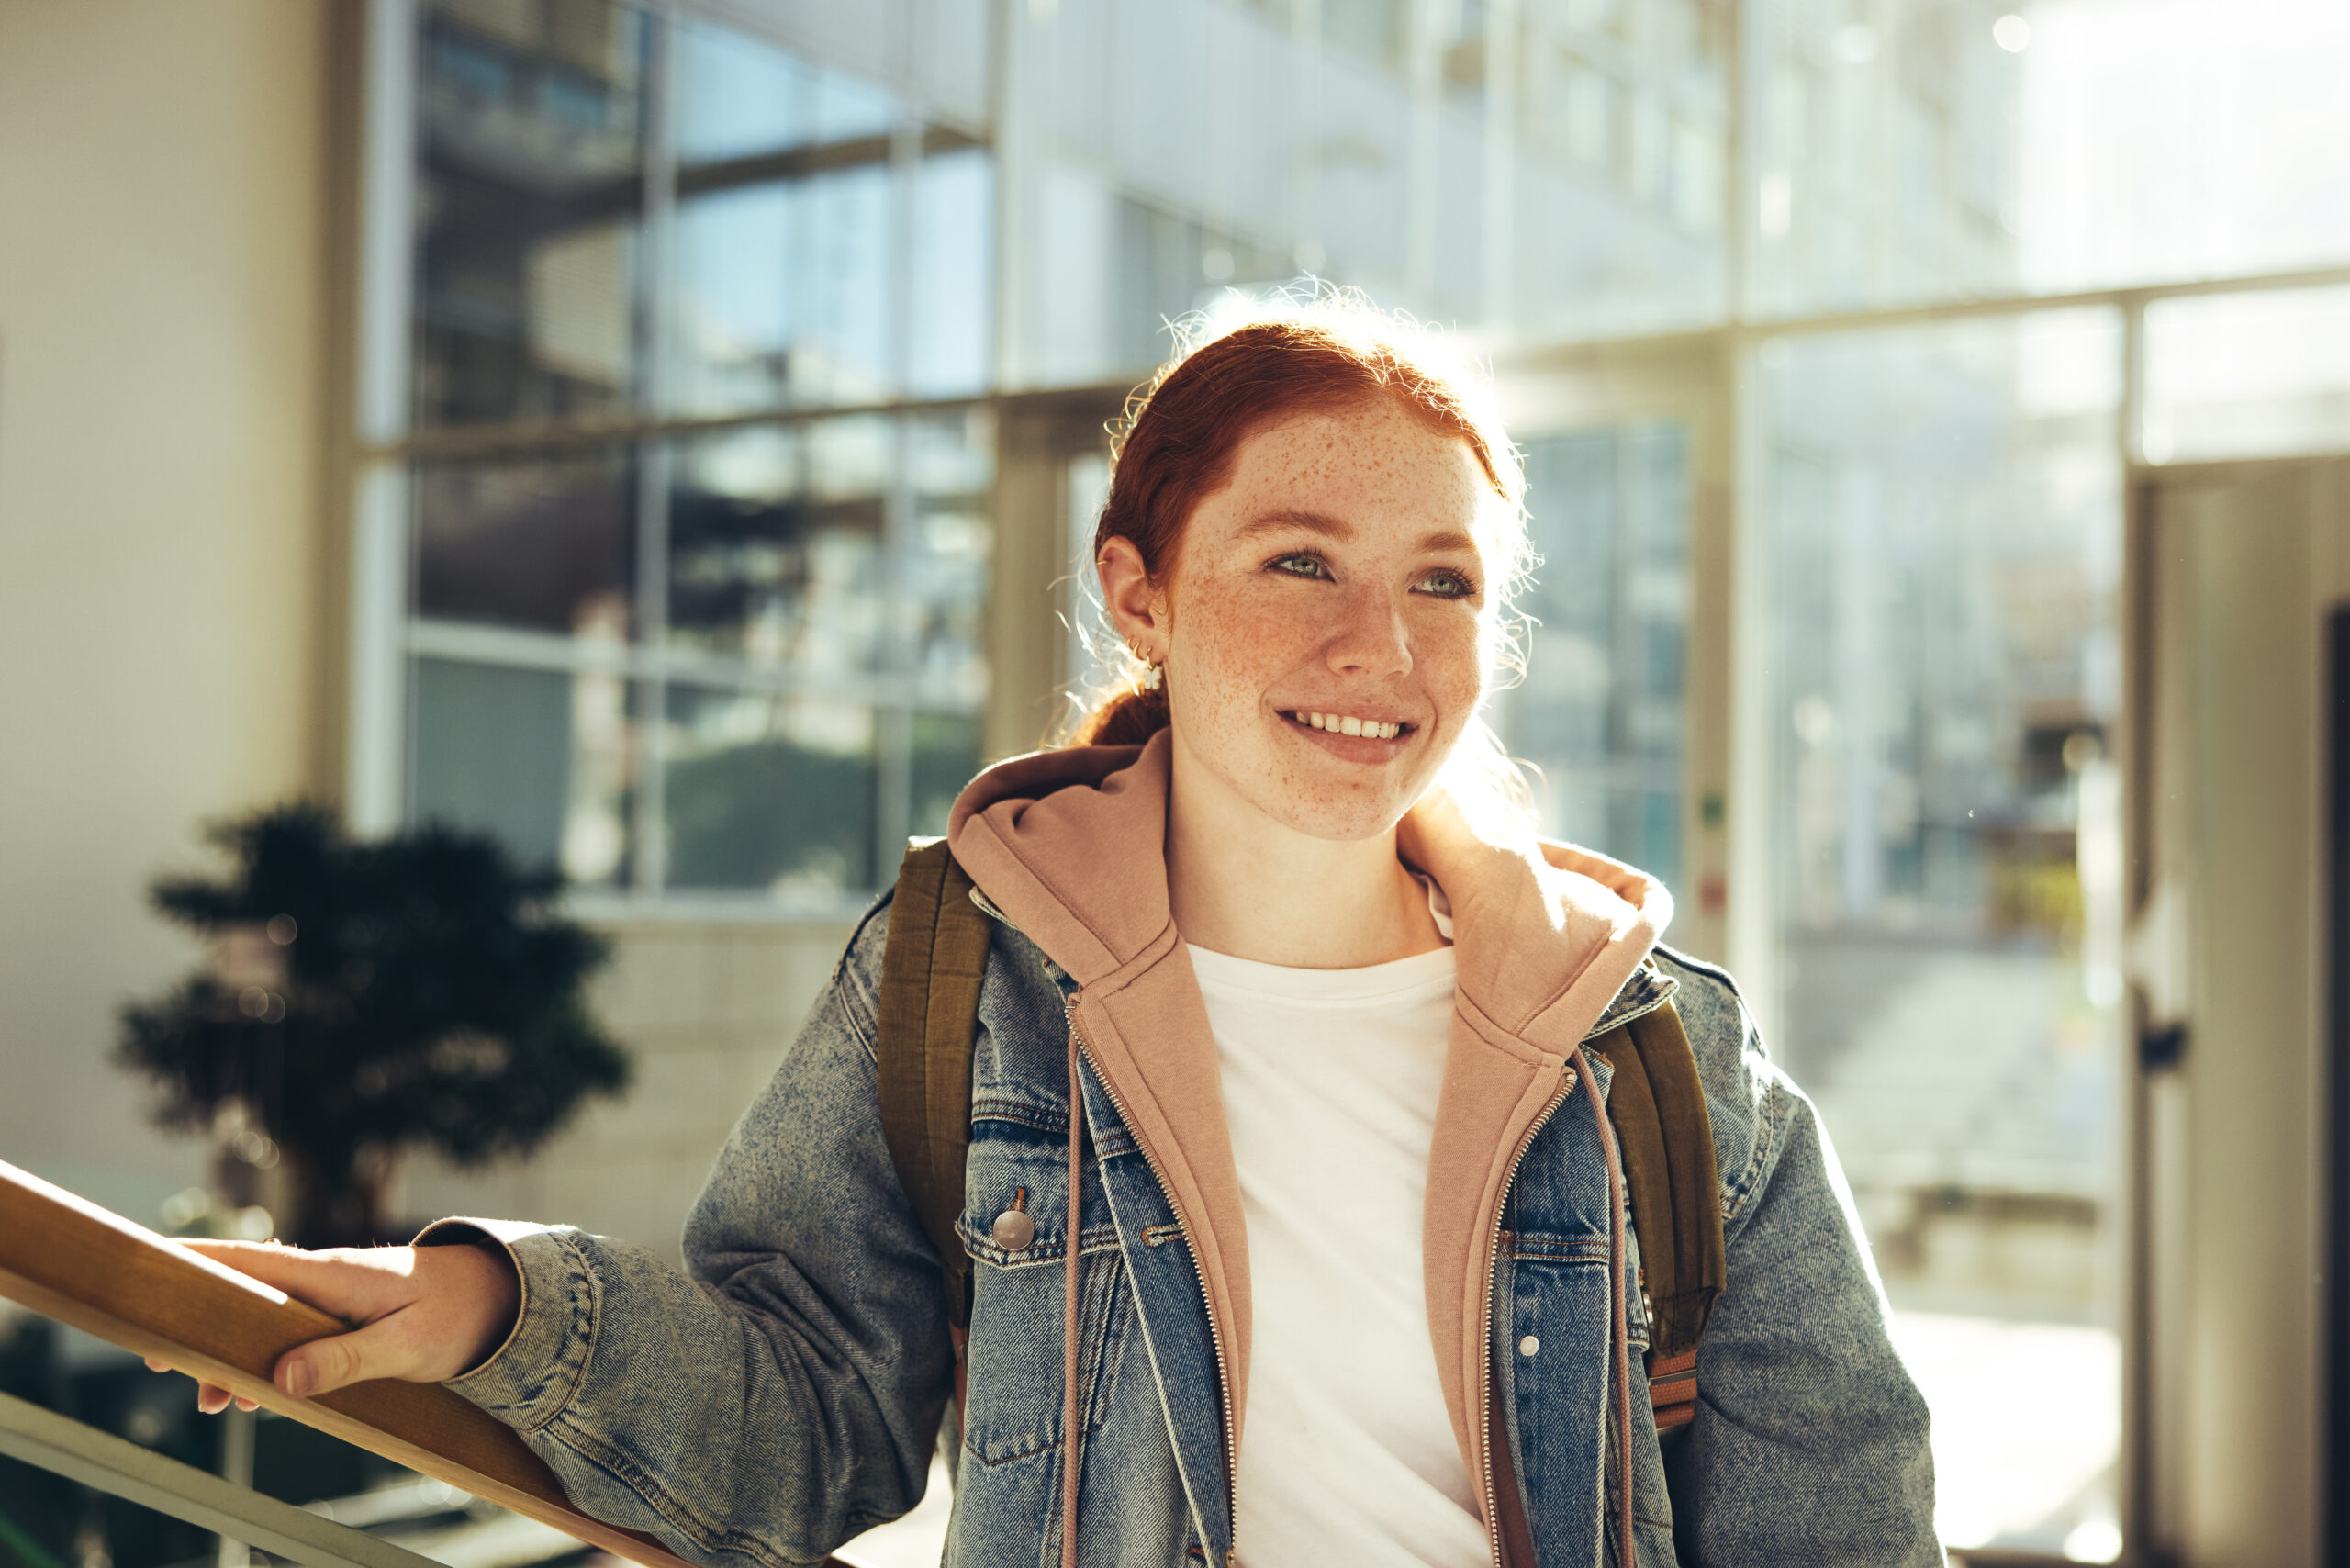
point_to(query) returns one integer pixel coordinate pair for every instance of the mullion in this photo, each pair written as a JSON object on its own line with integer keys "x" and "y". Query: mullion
{"x": 651, "y": 865}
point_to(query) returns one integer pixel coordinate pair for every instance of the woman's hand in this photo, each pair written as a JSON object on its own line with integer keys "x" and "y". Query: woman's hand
{"x": 425, "y": 1313}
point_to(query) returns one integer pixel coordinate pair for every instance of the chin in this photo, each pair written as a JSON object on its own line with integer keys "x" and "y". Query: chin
{"x": 1346, "y": 827}
{"x": 1344, "y": 821}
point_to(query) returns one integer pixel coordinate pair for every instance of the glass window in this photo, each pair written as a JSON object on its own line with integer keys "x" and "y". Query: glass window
{"x": 949, "y": 460}
{"x": 2247, "y": 375}
{"x": 1462, "y": 44}
{"x": 790, "y": 286}
{"x": 528, "y": 218}
{"x": 809, "y": 651}
{"x": 738, "y": 97}
{"x": 770, "y": 792}
{"x": 1361, "y": 206}
{"x": 1577, "y": 108}
{"x": 542, "y": 544}
{"x": 709, "y": 662}
{"x": 953, "y": 286}
{"x": 783, "y": 293}
{"x": 1373, "y": 30}
{"x": 945, "y": 750}
{"x": 1990, "y": 149}
{"x": 1944, "y": 557}
{"x": 1617, "y": 186}
{"x": 544, "y": 760}
{"x": 1168, "y": 267}
{"x": 2123, "y": 186}
{"x": 1600, "y": 710}
{"x": 1588, "y": 198}
{"x": 1858, "y": 202}
{"x": 764, "y": 568}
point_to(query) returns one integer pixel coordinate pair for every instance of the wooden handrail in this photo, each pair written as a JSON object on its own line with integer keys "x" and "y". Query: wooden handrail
{"x": 68, "y": 1259}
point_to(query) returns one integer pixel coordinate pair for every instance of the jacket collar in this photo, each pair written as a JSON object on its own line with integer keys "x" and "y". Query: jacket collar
{"x": 1070, "y": 844}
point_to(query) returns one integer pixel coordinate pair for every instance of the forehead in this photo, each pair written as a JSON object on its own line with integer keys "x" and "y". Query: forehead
{"x": 1370, "y": 464}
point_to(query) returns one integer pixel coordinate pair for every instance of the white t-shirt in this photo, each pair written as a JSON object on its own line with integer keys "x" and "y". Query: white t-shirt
{"x": 1330, "y": 1080}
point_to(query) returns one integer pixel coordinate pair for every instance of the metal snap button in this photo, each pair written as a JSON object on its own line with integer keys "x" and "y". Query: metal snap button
{"x": 1013, "y": 1230}
{"x": 1528, "y": 1345}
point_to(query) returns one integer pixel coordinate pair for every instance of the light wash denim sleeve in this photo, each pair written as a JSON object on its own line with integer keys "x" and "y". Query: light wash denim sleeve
{"x": 787, "y": 1395}
{"x": 1809, "y": 1443}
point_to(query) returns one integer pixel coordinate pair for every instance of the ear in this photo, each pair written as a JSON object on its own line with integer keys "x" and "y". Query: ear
{"x": 1137, "y": 607}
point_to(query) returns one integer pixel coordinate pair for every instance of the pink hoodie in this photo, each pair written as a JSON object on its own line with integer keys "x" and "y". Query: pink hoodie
{"x": 1070, "y": 846}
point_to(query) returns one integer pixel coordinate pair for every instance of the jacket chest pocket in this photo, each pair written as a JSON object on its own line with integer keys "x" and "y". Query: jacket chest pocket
{"x": 1015, "y": 1226}
{"x": 1555, "y": 1233}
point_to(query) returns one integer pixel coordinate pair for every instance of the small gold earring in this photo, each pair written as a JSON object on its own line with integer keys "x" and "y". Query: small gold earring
{"x": 1150, "y": 678}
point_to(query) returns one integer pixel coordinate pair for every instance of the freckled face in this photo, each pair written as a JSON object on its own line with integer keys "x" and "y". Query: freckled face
{"x": 1327, "y": 621}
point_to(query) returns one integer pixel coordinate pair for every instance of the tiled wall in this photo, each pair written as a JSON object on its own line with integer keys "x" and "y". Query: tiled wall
{"x": 707, "y": 1010}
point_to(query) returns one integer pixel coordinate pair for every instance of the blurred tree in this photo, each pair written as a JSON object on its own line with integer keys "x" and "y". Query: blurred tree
{"x": 367, "y": 998}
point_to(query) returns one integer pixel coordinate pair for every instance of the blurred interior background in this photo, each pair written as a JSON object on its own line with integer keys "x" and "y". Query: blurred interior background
{"x": 663, "y": 437}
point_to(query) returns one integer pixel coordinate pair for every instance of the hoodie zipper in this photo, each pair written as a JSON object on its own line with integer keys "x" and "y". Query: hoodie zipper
{"x": 1493, "y": 1257}
{"x": 1215, "y": 1333}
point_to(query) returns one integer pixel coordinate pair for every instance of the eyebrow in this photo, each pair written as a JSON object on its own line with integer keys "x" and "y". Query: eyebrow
{"x": 1340, "y": 530}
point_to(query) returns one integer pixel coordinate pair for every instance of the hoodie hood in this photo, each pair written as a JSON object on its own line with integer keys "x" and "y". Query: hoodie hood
{"x": 1070, "y": 844}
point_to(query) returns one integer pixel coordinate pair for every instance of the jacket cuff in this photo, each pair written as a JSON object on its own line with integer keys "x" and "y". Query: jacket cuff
{"x": 529, "y": 1379}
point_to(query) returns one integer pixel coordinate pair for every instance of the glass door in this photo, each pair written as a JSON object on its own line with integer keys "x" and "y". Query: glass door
{"x": 2241, "y": 564}
{"x": 1936, "y": 539}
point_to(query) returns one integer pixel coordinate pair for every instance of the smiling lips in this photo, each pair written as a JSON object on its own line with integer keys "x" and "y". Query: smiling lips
{"x": 1347, "y": 724}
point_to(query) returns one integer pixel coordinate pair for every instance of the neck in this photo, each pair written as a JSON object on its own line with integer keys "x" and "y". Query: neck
{"x": 1242, "y": 884}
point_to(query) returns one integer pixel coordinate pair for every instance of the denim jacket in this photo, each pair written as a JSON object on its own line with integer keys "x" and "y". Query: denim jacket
{"x": 786, "y": 1394}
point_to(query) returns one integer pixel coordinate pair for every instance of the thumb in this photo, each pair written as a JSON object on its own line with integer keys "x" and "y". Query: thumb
{"x": 336, "y": 1362}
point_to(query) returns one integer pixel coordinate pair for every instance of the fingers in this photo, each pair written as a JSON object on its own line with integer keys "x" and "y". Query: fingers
{"x": 384, "y": 1349}
{"x": 353, "y": 1282}
{"x": 210, "y": 1397}
{"x": 370, "y": 1286}
{"x": 425, "y": 1315}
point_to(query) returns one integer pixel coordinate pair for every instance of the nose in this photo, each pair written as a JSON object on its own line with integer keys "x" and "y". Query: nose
{"x": 1370, "y": 636}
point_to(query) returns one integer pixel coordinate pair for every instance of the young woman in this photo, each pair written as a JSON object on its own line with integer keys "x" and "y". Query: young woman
{"x": 1291, "y": 1210}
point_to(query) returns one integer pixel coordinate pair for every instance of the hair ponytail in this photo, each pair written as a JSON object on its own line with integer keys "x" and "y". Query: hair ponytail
{"x": 1126, "y": 718}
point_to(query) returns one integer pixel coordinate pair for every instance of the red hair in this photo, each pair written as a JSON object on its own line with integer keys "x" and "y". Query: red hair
{"x": 1181, "y": 434}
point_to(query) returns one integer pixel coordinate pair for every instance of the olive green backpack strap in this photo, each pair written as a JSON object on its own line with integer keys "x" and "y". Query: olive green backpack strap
{"x": 1667, "y": 1138}
{"x": 932, "y": 963}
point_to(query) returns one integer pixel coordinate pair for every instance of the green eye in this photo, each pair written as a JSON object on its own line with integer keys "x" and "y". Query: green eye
{"x": 1448, "y": 584}
{"x": 1300, "y": 565}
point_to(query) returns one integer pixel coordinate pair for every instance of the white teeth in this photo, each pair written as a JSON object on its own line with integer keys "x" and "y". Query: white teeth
{"x": 1346, "y": 726}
